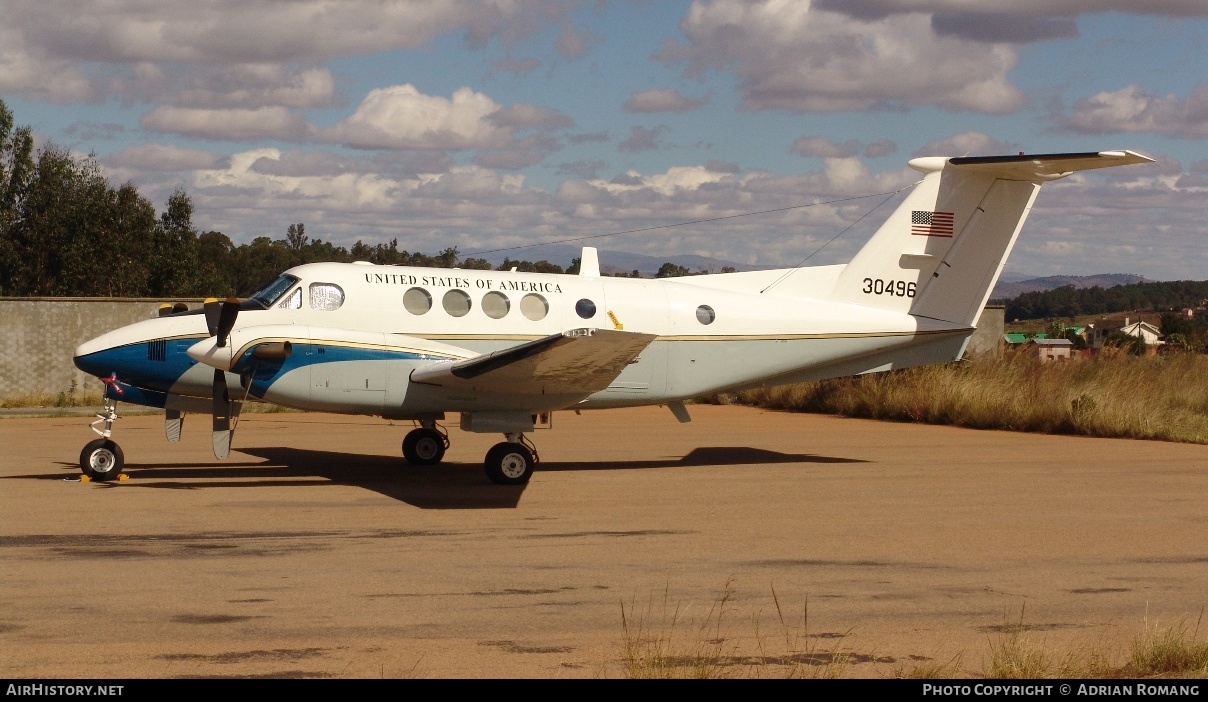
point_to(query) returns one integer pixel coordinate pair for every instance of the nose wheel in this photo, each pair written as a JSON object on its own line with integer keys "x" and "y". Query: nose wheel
{"x": 102, "y": 458}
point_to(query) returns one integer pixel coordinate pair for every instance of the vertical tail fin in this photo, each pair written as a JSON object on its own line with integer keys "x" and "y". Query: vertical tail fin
{"x": 941, "y": 252}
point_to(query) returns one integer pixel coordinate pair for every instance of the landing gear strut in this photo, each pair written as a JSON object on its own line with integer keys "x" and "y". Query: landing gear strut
{"x": 102, "y": 459}
{"x": 426, "y": 445}
{"x": 511, "y": 462}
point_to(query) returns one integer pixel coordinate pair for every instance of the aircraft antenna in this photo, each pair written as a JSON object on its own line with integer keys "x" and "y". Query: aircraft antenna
{"x": 797, "y": 267}
{"x": 682, "y": 224}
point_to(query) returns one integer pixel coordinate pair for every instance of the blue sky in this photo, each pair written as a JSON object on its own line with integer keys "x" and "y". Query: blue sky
{"x": 492, "y": 124}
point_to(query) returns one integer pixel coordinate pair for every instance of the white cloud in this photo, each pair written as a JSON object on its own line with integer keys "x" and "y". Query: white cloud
{"x": 236, "y": 31}
{"x": 794, "y": 57}
{"x": 967, "y": 144}
{"x": 525, "y": 116}
{"x": 1131, "y": 109}
{"x": 33, "y": 74}
{"x": 824, "y": 148}
{"x": 228, "y": 124}
{"x": 872, "y": 9}
{"x": 572, "y": 44}
{"x": 662, "y": 100}
{"x": 164, "y": 157}
{"x": 258, "y": 85}
{"x": 401, "y": 117}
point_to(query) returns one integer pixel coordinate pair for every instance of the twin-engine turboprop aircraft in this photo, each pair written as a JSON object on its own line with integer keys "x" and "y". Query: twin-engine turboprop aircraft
{"x": 504, "y": 349}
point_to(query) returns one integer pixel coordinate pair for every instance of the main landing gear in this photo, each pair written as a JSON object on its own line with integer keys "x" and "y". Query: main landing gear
{"x": 507, "y": 463}
{"x": 426, "y": 445}
{"x": 102, "y": 459}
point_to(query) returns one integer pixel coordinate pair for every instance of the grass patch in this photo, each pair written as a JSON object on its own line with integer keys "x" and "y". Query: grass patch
{"x": 72, "y": 397}
{"x": 1170, "y": 651}
{"x": 1117, "y": 395}
{"x": 662, "y": 639}
{"x": 666, "y": 641}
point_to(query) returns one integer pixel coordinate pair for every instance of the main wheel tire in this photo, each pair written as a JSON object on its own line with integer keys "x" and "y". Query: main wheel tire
{"x": 509, "y": 464}
{"x": 424, "y": 447}
{"x": 102, "y": 460}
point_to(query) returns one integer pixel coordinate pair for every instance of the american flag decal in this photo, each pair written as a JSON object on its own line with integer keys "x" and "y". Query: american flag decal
{"x": 931, "y": 223}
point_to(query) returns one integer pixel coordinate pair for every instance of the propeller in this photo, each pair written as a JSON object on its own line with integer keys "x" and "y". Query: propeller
{"x": 220, "y": 320}
{"x": 224, "y": 411}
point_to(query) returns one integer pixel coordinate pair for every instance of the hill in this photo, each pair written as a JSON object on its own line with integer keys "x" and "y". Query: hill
{"x": 1007, "y": 289}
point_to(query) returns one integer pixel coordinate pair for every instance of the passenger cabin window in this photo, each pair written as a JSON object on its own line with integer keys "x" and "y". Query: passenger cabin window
{"x": 705, "y": 314}
{"x": 456, "y": 303}
{"x": 293, "y": 301}
{"x": 326, "y": 296}
{"x": 417, "y": 301}
{"x": 496, "y": 305}
{"x": 585, "y": 308}
{"x": 534, "y": 307}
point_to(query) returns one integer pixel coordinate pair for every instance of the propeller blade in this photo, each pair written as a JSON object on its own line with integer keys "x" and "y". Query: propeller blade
{"x": 165, "y": 309}
{"x": 180, "y": 307}
{"x": 222, "y": 416}
{"x": 213, "y": 309}
{"x": 226, "y": 319}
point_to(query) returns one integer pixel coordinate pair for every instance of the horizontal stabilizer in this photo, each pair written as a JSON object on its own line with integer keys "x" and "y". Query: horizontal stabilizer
{"x": 575, "y": 362}
{"x": 1034, "y": 167}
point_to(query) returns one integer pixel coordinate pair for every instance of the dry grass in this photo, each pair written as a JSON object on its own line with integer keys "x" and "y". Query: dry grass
{"x": 665, "y": 641}
{"x": 1170, "y": 651}
{"x": 1110, "y": 395}
{"x": 72, "y": 397}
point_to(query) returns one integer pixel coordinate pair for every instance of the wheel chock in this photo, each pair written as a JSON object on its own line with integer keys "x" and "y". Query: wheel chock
{"x": 122, "y": 477}
{"x": 85, "y": 479}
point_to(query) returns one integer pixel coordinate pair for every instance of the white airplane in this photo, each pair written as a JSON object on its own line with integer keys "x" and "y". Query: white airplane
{"x": 505, "y": 349}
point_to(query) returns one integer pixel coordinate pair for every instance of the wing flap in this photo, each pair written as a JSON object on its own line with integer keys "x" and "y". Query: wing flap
{"x": 579, "y": 361}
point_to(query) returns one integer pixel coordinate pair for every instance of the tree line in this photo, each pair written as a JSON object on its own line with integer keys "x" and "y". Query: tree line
{"x": 1070, "y": 301}
{"x": 66, "y": 231}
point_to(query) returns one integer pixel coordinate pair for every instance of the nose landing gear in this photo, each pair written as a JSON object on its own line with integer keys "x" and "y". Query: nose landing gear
{"x": 102, "y": 458}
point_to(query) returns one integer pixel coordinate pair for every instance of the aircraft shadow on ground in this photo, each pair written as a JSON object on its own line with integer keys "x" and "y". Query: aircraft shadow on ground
{"x": 447, "y": 486}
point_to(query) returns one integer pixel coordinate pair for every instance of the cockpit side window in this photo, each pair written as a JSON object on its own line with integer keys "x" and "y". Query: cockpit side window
{"x": 270, "y": 293}
{"x": 326, "y": 296}
{"x": 293, "y": 301}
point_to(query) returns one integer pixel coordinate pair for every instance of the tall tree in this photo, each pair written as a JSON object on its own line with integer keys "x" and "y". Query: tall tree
{"x": 175, "y": 249}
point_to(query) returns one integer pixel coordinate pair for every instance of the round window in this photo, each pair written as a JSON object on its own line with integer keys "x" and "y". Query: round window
{"x": 585, "y": 308}
{"x": 534, "y": 307}
{"x": 705, "y": 314}
{"x": 417, "y": 301}
{"x": 496, "y": 305}
{"x": 456, "y": 303}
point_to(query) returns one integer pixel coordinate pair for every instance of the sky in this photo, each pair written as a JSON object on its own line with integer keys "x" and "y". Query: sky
{"x": 505, "y": 123}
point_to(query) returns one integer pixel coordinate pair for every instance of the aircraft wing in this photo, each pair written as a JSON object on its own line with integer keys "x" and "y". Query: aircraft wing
{"x": 579, "y": 361}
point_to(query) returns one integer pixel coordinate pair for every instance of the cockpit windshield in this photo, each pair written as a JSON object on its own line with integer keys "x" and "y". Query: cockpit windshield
{"x": 270, "y": 293}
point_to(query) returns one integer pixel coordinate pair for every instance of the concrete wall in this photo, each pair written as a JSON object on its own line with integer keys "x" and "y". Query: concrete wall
{"x": 991, "y": 327}
{"x": 39, "y": 335}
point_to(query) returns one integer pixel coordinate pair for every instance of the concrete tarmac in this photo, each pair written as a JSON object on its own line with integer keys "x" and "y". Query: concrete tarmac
{"x": 315, "y": 551}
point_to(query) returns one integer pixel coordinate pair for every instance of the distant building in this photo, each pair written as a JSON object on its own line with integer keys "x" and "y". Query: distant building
{"x": 1097, "y": 332}
{"x": 1051, "y": 349}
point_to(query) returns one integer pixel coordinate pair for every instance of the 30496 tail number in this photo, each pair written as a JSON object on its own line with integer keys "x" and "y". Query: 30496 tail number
{"x": 897, "y": 288}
